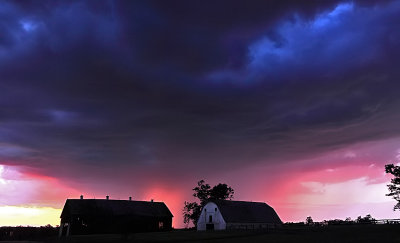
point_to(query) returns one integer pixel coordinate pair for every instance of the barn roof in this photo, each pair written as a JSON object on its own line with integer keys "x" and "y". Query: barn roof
{"x": 104, "y": 207}
{"x": 247, "y": 212}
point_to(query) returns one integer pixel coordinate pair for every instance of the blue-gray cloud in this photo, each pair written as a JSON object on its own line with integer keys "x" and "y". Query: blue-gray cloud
{"x": 156, "y": 85}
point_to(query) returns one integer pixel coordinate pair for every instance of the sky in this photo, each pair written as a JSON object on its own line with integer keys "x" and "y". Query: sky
{"x": 294, "y": 103}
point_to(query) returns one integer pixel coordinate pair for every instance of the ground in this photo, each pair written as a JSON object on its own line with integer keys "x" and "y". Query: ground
{"x": 340, "y": 233}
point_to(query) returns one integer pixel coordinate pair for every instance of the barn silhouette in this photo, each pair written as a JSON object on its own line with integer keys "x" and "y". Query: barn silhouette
{"x": 104, "y": 216}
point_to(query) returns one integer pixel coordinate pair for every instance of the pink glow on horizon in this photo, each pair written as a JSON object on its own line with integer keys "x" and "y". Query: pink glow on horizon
{"x": 322, "y": 194}
{"x": 344, "y": 183}
{"x": 344, "y": 192}
{"x": 21, "y": 188}
{"x": 24, "y": 189}
{"x": 347, "y": 191}
{"x": 340, "y": 184}
{"x": 173, "y": 198}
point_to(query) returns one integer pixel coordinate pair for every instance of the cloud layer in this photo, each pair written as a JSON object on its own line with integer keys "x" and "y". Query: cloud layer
{"x": 155, "y": 90}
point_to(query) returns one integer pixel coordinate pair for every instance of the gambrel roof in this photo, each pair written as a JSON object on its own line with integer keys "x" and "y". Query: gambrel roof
{"x": 247, "y": 212}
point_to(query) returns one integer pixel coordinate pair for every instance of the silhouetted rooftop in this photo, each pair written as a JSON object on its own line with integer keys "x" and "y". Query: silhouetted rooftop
{"x": 106, "y": 207}
{"x": 247, "y": 212}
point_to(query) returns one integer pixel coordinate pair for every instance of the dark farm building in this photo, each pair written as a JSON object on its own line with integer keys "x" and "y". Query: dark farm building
{"x": 226, "y": 214}
{"x": 104, "y": 216}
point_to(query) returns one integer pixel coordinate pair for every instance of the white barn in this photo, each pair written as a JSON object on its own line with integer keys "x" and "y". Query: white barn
{"x": 226, "y": 214}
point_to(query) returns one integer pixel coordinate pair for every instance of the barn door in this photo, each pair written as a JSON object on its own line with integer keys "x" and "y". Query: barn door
{"x": 210, "y": 221}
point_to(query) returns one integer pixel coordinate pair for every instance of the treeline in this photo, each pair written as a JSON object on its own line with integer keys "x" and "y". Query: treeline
{"x": 27, "y": 232}
{"x": 368, "y": 219}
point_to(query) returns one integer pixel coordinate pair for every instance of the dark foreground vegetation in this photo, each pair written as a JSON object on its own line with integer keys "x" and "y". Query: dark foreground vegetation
{"x": 288, "y": 233}
{"x": 28, "y": 233}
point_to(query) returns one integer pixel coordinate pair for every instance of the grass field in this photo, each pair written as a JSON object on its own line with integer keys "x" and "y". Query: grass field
{"x": 344, "y": 233}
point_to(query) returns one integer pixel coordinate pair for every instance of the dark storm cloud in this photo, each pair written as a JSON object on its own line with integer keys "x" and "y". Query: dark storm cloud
{"x": 161, "y": 84}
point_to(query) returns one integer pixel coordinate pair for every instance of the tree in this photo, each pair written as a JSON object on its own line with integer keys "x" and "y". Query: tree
{"x": 204, "y": 193}
{"x": 366, "y": 220}
{"x": 221, "y": 192}
{"x": 191, "y": 212}
{"x": 309, "y": 221}
{"x": 394, "y": 187}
